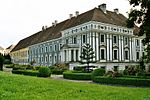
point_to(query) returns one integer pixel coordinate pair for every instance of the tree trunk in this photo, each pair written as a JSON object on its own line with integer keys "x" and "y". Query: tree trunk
{"x": 1, "y": 66}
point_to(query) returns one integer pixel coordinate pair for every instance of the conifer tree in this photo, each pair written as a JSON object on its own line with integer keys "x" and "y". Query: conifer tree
{"x": 87, "y": 56}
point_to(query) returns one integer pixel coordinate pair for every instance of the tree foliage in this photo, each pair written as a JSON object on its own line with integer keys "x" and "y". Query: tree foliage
{"x": 87, "y": 55}
{"x": 140, "y": 14}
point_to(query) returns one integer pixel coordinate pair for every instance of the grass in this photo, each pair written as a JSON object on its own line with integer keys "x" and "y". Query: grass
{"x": 19, "y": 87}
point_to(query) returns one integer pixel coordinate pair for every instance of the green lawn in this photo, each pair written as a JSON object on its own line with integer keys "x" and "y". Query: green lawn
{"x": 18, "y": 87}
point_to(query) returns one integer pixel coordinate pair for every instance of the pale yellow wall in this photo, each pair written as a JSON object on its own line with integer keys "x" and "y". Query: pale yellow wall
{"x": 20, "y": 56}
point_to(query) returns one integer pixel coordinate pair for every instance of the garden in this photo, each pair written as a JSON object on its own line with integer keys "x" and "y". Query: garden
{"x": 20, "y": 87}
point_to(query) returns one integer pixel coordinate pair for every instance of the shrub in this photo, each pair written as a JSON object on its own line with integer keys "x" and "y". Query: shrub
{"x": 9, "y": 66}
{"x": 122, "y": 81}
{"x": 19, "y": 67}
{"x": 98, "y": 72}
{"x": 57, "y": 72}
{"x": 26, "y": 72}
{"x": 77, "y": 76}
{"x": 59, "y": 68}
{"x": 78, "y": 68}
{"x": 44, "y": 72}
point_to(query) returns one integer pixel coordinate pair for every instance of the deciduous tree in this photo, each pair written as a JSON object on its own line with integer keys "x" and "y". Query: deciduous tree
{"x": 140, "y": 14}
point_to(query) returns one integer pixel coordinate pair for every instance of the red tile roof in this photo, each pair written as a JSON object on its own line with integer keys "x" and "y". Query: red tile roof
{"x": 54, "y": 32}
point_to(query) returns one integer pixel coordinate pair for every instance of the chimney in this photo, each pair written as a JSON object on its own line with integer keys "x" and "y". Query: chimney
{"x": 77, "y": 13}
{"x": 43, "y": 28}
{"x": 53, "y": 24}
{"x": 116, "y": 11}
{"x": 70, "y": 16}
{"x": 102, "y": 7}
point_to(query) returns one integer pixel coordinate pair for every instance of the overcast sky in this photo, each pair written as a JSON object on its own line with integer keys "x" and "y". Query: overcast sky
{"x": 22, "y": 18}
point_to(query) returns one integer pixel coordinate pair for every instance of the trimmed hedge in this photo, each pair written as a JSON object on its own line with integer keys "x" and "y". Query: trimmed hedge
{"x": 9, "y": 66}
{"x": 77, "y": 76}
{"x": 57, "y": 72}
{"x": 122, "y": 81}
{"x": 26, "y": 72}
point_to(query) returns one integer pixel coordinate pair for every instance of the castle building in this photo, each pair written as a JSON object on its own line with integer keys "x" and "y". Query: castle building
{"x": 113, "y": 43}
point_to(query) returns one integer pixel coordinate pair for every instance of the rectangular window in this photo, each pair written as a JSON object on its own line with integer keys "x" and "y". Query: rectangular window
{"x": 55, "y": 48}
{"x": 126, "y": 55}
{"x": 116, "y": 68}
{"x": 67, "y": 41}
{"x": 77, "y": 55}
{"x": 46, "y": 59}
{"x": 143, "y": 54}
{"x": 46, "y": 49}
{"x": 50, "y": 59}
{"x": 84, "y": 39}
{"x": 115, "y": 55}
{"x": 72, "y": 55}
{"x": 126, "y": 41}
{"x": 103, "y": 67}
{"x": 55, "y": 59}
{"x": 50, "y": 49}
{"x": 102, "y": 38}
{"x": 137, "y": 55}
{"x": 65, "y": 55}
{"x": 115, "y": 39}
{"x": 74, "y": 40}
{"x": 102, "y": 54}
{"x": 137, "y": 43}
{"x": 60, "y": 46}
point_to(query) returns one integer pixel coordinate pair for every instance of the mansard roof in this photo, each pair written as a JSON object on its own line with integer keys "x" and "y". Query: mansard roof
{"x": 54, "y": 32}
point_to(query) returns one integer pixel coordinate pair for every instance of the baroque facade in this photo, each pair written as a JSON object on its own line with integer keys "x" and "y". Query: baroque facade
{"x": 113, "y": 43}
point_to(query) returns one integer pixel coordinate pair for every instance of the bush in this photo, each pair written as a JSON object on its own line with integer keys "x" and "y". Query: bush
{"x": 44, "y": 72}
{"x": 26, "y": 72}
{"x": 58, "y": 69}
{"x": 78, "y": 68}
{"x": 77, "y": 76}
{"x": 122, "y": 81}
{"x": 98, "y": 72}
{"x": 147, "y": 74}
{"x": 21, "y": 67}
{"x": 9, "y": 66}
{"x": 57, "y": 72}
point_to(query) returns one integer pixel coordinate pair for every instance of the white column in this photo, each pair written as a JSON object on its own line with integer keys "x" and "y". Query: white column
{"x": 140, "y": 48}
{"x": 97, "y": 46}
{"x": 88, "y": 37}
{"x": 130, "y": 49}
{"x": 120, "y": 55}
{"x": 69, "y": 55}
{"x": 93, "y": 37}
{"x": 133, "y": 49}
{"x": 110, "y": 48}
{"x": 108, "y": 52}
{"x": 74, "y": 54}
{"x": 122, "y": 42}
